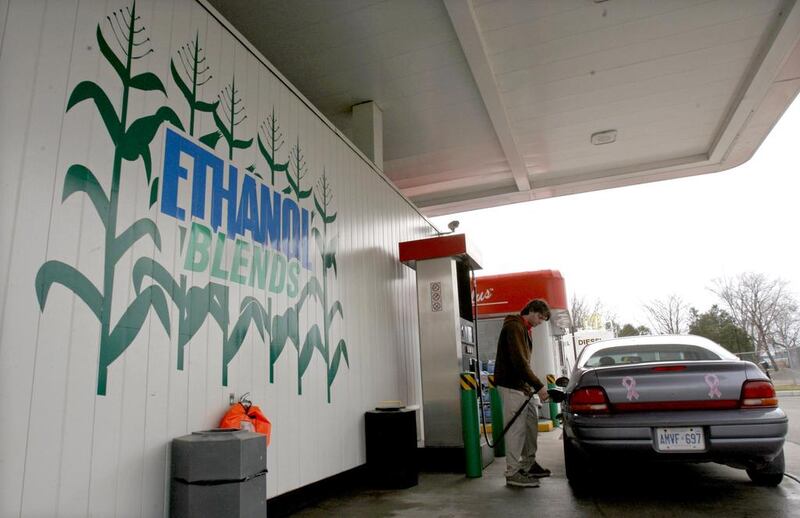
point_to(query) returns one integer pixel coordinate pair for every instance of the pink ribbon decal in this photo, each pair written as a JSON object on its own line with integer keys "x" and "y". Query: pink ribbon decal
{"x": 713, "y": 386}
{"x": 630, "y": 384}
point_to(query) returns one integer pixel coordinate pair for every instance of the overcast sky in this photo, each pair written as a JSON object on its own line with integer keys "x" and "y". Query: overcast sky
{"x": 630, "y": 245}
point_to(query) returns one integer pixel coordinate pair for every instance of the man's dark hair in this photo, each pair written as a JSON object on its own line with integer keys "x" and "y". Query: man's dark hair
{"x": 537, "y": 306}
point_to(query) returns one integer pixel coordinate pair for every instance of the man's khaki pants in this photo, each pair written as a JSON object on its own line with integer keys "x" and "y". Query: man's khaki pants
{"x": 521, "y": 438}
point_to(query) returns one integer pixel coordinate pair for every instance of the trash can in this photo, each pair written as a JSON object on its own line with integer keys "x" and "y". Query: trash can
{"x": 392, "y": 448}
{"x": 219, "y": 473}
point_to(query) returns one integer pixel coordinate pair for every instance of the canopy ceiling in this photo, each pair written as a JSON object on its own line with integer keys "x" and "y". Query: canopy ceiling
{"x": 488, "y": 102}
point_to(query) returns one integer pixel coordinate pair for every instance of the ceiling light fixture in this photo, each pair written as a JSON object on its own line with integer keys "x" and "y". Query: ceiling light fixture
{"x": 604, "y": 137}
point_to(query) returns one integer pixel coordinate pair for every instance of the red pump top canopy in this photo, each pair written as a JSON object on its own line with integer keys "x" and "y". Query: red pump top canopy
{"x": 507, "y": 294}
{"x": 454, "y": 245}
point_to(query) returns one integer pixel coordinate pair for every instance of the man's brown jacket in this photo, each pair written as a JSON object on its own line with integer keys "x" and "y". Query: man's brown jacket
{"x": 512, "y": 368}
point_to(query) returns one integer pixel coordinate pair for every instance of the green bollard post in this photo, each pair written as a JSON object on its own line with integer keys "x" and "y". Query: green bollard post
{"x": 469, "y": 425}
{"x": 497, "y": 419}
{"x": 551, "y": 383}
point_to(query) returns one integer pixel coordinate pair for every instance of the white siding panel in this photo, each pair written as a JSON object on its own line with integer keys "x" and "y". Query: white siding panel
{"x": 23, "y": 203}
{"x": 105, "y": 451}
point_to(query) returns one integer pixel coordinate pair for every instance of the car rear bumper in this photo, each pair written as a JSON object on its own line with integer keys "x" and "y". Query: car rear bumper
{"x": 738, "y": 437}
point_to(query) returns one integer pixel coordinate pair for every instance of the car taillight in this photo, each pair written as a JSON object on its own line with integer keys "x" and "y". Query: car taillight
{"x": 758, "y": 394}
{"x": 589, "y": 400}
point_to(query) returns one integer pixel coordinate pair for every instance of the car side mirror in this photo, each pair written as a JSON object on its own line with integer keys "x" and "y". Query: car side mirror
{"x": 562, "y": 382}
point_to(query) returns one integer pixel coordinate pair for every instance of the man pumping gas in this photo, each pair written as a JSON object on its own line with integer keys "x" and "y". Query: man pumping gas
{"x": 516, "y": 383}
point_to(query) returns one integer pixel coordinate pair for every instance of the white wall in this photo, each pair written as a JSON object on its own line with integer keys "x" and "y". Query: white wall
{"x": 65, "y": 448}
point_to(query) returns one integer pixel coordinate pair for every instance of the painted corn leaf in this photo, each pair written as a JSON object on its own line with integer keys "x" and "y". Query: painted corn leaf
{"x": 80, "y": 178}
{"x": 136, "y": 141}
{"x": 280, "y": 333}
{"x": 269, "y": 158}
{"x": 313, "y": 341}
{"x": 292, "y": 184}
{"x": 111, "y": 57}
{"x": 222, "y": 129}
{"x": 89, "y": 90}
{"x": 211, "y": 139}
{"x": 242, "y": 144}
{"x": 219, "y": 305}
{"x": 329, "y": 219}
{"x": 341, "y": 352}
{"x": 319, "y": 207}
{"x": 293, "y": 327}
{"x": 154, "y": 192}
{"x": 141, "y": 133}
{"x": 329, "y": 261}
{"x": 147, "y": 81}
{"x": 323, "y": 213}
{"x": 148, "y": 163}
{"x": 53, "y": 272}
{"x": 206, "y": 107}
{"x": 131, "y": 321}
{"x": 143, "y": 227}
{"x": 181, "y": 84}
{"x": 251, "y": 312}
{"x": 196, "y": 311}
{"x": 146, "y": 266}
{"x": 335, "y": 308}
{"x": 333, "y": 245}
{"x": 312, "y": 288}
{"x": 128, "y": 327}
{"x": 257, "y": 313}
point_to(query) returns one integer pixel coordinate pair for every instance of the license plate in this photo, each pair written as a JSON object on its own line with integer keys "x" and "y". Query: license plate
{"x": 680, "y": 439}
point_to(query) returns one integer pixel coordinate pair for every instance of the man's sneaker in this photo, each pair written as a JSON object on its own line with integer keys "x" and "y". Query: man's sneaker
{"x": 537, "y": 471}
{"x": 520, "y": 479}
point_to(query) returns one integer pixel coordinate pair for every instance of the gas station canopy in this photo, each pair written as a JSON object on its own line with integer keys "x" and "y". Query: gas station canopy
{"x": 485, "y": 103}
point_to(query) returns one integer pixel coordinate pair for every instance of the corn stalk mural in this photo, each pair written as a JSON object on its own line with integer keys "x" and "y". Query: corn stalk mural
{"x": 154, "y": 284}
{"x": 197, "y": 73}
{"x": 229, "y": 101}
{"x": 131, "y": 142}
{"x": 327, "y": 249}
{"x": 296, "y": 173}
{"x": 287, "y": 326}
{"x": 274, "y": 138}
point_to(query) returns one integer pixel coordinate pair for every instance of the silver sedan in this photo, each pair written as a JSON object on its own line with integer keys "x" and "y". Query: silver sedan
{"x": 670, "y": 398}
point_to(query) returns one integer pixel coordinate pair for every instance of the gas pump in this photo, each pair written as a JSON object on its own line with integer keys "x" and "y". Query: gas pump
{"x": 448, "y": 344}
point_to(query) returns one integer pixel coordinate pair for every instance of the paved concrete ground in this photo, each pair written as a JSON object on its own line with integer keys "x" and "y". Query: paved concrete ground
{"x": 652, "y": 491}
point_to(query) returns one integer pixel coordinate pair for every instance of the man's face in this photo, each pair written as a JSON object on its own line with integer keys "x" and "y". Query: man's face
{"x": 535, "y": 318}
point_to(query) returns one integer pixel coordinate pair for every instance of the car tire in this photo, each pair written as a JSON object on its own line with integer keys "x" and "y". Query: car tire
{"x": 577, "y": 465}
{"x": 770, "y": 474}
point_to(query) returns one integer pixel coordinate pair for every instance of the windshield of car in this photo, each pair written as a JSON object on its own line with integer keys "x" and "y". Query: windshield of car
{"x": 628, "y": 354}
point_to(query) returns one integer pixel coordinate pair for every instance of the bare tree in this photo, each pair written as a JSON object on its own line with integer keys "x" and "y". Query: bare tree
{"x": 669, "y": 316}
{"x": 763, "y": 307}
{"x": 583, "y": 312}
{"x": 787, "y": 329}
{"x": 578, "y": 310}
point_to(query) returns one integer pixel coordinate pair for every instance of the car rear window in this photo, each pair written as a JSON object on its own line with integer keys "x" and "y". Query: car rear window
{"x": 629, "y": 354}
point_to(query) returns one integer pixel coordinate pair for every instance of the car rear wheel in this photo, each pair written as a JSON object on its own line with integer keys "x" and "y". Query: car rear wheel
{"x": 577, "y": 465}
{"x": 770, "y": 474}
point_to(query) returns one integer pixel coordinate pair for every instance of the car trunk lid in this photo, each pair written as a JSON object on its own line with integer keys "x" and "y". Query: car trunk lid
{"x": 673, "y": 386}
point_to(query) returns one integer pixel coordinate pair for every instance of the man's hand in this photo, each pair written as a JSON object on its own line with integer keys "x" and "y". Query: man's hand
{"x": 543, "y": 396}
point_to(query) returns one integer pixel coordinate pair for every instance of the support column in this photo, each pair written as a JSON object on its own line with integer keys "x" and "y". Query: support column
{"x": 368, "y": 131}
